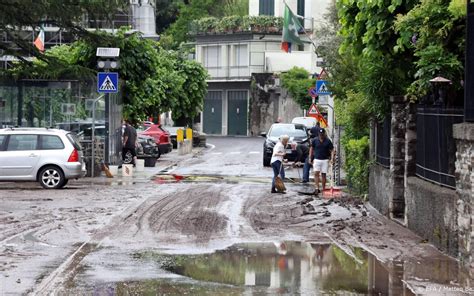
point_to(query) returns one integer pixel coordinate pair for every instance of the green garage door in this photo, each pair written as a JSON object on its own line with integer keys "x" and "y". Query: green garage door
{"x": 237, "y": 112}
{"x": 212, "y": 116}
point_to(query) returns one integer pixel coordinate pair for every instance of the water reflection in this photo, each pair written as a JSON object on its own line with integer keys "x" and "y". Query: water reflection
{"x": 292, "y": 268}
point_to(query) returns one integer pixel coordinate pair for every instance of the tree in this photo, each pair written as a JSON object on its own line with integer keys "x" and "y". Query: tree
{"x": 154, "y": 80}
{"x": 434, "y": 33}
{"x": 297, "y": 81}
{"x": 189, "y": 11}
{"x": 67, "y": 15}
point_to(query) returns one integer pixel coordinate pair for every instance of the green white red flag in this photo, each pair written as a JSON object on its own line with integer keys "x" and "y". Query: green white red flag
{"x": 291, "y": 26}
{"x": 39, "y": 41}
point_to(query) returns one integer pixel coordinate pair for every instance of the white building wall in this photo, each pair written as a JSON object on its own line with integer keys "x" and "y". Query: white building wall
{"x": 253, "y": 7}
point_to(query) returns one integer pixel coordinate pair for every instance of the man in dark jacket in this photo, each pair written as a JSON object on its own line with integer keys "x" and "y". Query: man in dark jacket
{"x": 129, "y": 142}
{"x": 302, "y": 156}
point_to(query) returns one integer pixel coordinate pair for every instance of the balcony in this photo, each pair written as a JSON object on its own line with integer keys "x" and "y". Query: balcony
{"x": 263, "y": 24}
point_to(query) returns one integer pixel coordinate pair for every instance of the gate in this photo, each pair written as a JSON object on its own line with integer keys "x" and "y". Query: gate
{"x": 212, "y": 115}
{"x": 237, "y": 112}
{"x": 435, "y": 147}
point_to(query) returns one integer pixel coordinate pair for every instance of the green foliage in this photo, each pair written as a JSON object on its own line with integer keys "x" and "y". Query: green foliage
{"x": 154, "y": 80}
{"x": 236, "y": 7}
{"x": 433, "y": 32}
{"x": 67, "y": 15}
{"x": 235, "y": 23}
{"x": 297, "y": 82}
{"x": 352, "y": 114}
{"x": 357, "y": 166}
{"x": 177, "y": 33}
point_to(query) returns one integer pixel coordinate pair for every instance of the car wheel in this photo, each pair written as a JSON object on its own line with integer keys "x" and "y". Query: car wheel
{"x": 266, "y": 161}
{"x": 64, "y": 183}
{"x": 51, "y": 177}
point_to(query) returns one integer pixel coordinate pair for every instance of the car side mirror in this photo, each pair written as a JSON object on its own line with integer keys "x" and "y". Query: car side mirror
{"x": 263, "y": 134}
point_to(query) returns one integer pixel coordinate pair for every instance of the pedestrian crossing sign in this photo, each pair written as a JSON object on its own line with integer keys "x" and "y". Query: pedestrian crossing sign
{"x": 107, "y": 82}
{"x": 322, "y": 87}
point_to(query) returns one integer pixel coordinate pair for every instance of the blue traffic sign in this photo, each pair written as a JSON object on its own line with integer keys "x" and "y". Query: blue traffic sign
{"x": 107, "y": 82}
{"x": 312, "y": 92}
{"x": 322, "y": 87}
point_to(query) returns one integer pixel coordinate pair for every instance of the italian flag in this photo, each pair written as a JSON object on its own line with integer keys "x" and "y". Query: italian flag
{"x": 39, "y": 41}
{"x": 291, "y": 25}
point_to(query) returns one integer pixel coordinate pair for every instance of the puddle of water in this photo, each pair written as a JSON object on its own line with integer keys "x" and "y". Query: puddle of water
{"x": 285, "y": 268}
{"x": 288, "y": 268}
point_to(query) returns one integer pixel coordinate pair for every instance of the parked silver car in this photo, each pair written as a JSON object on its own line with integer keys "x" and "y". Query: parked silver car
{"x": 49, "y": 156}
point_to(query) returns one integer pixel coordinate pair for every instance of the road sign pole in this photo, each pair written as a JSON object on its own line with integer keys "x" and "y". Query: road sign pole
{"x": 107, "y": 124}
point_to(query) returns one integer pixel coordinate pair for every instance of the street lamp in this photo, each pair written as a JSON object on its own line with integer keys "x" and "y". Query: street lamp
{"x": 439, "y": 86}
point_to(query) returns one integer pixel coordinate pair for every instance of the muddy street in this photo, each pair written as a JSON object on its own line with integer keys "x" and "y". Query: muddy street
{"x": 207, "y": 224}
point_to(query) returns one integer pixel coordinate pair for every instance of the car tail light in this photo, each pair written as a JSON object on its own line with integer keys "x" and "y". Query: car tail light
{"x": 74, "y": 157}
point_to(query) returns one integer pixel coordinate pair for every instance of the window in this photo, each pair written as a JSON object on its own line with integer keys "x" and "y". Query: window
{"x": 22, "y": 142}
{"x": 241, "y": 57}
{"x": 266, "y": 7}
{"x": 300, "y": 8}
{"x": 51, "y": 143}
{"x": 212, "y": 56}
{"x": 2, "y": 138}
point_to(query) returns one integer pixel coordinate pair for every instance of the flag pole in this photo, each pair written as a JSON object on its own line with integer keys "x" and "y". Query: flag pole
{"x": 312, "y": 41}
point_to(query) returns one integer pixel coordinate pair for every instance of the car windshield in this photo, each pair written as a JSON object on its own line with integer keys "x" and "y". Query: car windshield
{"x": 287, "y": 129}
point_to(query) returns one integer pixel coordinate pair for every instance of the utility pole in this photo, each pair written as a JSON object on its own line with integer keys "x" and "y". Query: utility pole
{"x": 469, "y": 67}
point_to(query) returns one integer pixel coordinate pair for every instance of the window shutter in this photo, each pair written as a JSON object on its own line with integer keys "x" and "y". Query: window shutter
{"x": 266, "y": 7}
{"x": 300, "y": 9}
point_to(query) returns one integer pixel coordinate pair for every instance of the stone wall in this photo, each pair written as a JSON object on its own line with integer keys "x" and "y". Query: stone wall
{"x": 268, "y": 103}
{"x": 379, "y": 188}
{"x": 464, "y": 135}
{"x": 431, "y": 213}
{"x": 397, "y": 157}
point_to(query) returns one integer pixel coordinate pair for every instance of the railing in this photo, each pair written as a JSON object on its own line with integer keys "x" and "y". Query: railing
{"x": 436, "y": 148}
{"x": 382, "y": 142}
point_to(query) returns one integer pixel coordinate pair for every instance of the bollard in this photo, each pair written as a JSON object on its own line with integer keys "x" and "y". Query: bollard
{"x": 180, "y": 135}
{"x": 189, "y": 134}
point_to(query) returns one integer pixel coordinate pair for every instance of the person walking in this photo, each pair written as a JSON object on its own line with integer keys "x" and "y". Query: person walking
{"x": 277, "y": 161}
{"x": 322, "y": 150}
{"x": 129, "y": 142}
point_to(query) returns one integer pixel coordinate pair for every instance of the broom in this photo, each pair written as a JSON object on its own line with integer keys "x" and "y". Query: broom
{"x": 107, "y": 171}
{"x": 332, "y": 191}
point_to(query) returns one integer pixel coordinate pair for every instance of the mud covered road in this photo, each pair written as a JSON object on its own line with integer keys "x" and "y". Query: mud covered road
{"x": 94, "y": 234}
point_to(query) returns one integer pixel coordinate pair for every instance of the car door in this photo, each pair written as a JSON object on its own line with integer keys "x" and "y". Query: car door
{"x": 19, "y": 157}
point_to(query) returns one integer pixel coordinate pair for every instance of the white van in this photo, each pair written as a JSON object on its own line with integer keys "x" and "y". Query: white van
{"x": 309, "y": 122}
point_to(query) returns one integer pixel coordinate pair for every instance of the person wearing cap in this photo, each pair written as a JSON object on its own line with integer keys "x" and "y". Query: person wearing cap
{"x": 277, "y": 160}
{"x": 314, "y": 131}
{"x": 322, "y": 150}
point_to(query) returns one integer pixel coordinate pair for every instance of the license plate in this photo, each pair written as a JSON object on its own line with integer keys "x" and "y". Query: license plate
{"x": 289, "y": 151}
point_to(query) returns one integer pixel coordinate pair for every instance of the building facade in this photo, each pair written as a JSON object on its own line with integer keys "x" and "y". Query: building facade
{"x": 244, "y": 96}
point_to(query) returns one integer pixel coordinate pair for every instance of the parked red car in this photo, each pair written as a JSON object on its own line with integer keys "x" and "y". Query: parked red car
{"x": 160, "y": 135}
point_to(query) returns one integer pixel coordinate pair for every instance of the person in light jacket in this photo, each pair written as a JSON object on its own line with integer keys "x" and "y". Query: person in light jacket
{"x": 277, "y": 160}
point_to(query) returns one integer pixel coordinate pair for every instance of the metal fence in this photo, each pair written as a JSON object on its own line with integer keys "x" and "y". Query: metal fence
{"x": 382, "y": 142}
{"x": 436, "y": 148}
